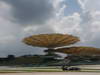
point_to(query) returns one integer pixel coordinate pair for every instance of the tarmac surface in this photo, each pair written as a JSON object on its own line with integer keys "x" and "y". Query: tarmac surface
{"x": 53, "y": 73}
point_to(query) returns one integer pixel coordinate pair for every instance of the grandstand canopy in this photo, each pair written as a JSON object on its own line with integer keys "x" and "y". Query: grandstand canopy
{"x": 50, "y": 40}
{"x": 81, "y": 51}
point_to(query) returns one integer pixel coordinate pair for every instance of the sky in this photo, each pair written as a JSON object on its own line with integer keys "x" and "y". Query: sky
{"x": 22, "y": 18}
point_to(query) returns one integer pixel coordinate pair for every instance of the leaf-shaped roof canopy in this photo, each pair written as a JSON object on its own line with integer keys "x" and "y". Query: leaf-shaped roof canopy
{"x": 50, "y": 40}
{"x": 84, "y": 51}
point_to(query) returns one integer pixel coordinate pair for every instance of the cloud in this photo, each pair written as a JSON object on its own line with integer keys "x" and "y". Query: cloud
{"x": 82, "y": 3}
{"x": 22, "y": 18}
{"x": 27, "y": 12}
{"x": 90, "y": 25}
{"x": 12, "y": 33}
{"x": 45, "y": 29}
{"x": 84, "y": 24}
{"x": 67, "y": 24}
{"x": 89, "y": 5}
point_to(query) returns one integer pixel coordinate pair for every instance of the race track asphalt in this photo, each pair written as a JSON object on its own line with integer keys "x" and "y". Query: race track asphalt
{"x": 53, "y": 73}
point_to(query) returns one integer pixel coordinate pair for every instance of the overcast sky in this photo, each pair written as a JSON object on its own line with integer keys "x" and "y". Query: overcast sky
{"x": 21, "y": 18}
